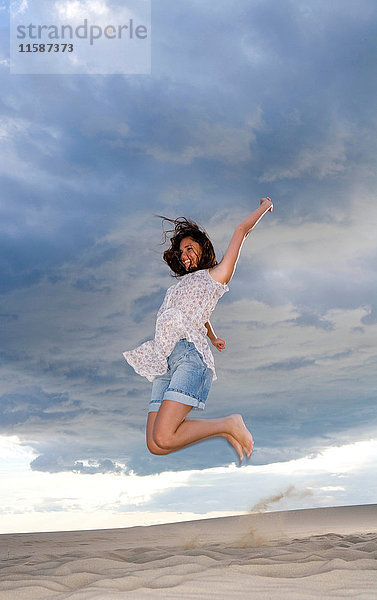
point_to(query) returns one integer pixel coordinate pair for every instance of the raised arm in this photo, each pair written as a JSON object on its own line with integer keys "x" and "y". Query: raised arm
{"x": 223, "y": 272}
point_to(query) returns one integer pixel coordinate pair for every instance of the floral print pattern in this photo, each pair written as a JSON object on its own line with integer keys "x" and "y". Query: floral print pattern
{"x": 186, "y": 308}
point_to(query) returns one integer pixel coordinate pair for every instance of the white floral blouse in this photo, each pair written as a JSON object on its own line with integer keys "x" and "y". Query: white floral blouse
{"x": 186, "y": 308}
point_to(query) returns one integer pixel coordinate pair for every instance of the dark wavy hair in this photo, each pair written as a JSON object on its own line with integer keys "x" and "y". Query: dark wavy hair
{"x": 185, "y": 228}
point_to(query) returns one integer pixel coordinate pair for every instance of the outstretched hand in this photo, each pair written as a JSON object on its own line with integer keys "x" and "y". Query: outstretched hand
{"x": 268, "y": 202}
{"x": 219, "y": 344}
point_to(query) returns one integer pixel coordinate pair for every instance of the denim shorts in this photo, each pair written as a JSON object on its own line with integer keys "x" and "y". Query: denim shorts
{"x": 187, "y": 380}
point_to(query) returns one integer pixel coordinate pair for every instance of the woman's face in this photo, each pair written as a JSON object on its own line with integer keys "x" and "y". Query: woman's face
{"x": 191, "y": 253}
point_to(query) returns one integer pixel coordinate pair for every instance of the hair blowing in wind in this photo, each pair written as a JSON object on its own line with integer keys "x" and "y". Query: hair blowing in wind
{"x": 183, "y": 228}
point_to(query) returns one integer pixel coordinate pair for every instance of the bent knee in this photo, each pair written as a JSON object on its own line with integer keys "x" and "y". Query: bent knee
{"x": 154, "y": 448}
{"x": 162, "y": 441}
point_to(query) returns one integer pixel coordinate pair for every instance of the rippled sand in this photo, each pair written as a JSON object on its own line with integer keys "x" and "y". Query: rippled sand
{"x": 319, "y": 553}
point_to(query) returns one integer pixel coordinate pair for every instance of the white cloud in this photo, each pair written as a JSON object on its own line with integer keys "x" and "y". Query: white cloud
{"x": 75, "y": 10}
{"x": 13, "y": 452}
{"x": 18, "y": 7}
{"x": 334, "y": 460}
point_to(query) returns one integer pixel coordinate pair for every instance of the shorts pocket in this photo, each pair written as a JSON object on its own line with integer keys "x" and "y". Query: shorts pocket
{"x": 193, "y": 356}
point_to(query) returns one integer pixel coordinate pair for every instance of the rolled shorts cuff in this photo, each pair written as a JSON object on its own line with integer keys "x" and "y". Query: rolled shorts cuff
{"x": 179, "y": 397}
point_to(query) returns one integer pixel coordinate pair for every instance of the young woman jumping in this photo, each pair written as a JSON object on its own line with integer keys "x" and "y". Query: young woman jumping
{"x": 179, "y": 360}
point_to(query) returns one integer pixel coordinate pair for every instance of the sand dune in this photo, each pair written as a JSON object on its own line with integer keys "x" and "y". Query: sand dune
{"x": 318, "y": 553}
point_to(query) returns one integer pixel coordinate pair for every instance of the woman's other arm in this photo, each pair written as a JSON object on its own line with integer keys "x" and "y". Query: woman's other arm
{"x": 217, "y": 342}
{"x": 223, "y": 272}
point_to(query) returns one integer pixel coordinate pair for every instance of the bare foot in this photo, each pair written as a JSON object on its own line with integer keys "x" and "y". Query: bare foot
{"x": 236, "y": 445}
{"x": 241, "y": 433}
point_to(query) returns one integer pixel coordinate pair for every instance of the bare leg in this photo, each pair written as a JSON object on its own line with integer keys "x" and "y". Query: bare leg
{"x": 154, "y": 449}
{"x": 172, "y": 431}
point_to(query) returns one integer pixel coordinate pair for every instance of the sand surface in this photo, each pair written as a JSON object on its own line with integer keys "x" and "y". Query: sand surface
{"x": 315, "y": 554}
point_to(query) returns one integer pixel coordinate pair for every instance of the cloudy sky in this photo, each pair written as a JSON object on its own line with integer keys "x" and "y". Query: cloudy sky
{"x": 255, "y": 98}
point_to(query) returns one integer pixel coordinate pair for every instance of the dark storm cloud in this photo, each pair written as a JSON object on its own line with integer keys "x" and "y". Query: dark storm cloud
{"x": 299, "y": 362}
{"x": 33, "y": 406}
{"x": 310, "y": 318}
{"x": 91, "y": 284}
{"x": 8, "y": 316}
{"x": 371, "y": 317}
{"x": 300, "y": 62}
{"x": 146, "y": 304}
{"x": 289, "y": 364}
{"x": 54, "y": 463}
